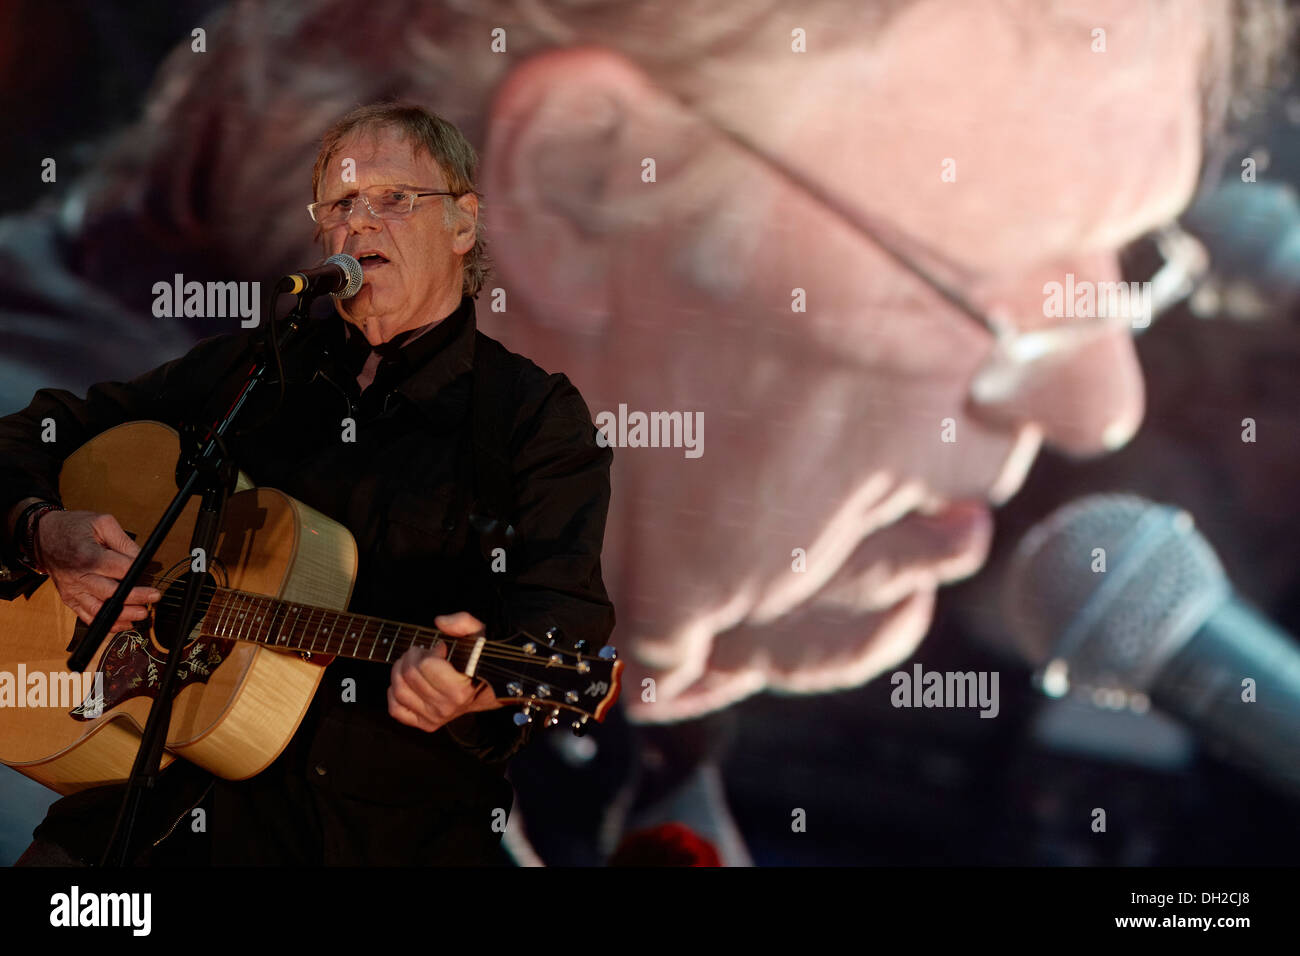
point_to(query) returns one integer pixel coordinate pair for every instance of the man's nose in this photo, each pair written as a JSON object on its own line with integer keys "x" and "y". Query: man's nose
{"x": 1086, "y": 395}
{"x": 362, "y": 220}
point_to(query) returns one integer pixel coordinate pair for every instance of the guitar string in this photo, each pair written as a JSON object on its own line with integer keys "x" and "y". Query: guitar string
{"x": 486, "y": 666}
{"x": 492, "y": 649}
{"x": 222, "y": 600}
{"x": 229, "y": 595}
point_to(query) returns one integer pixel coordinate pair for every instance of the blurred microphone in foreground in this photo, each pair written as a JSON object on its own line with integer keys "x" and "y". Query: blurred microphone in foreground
{"x": 1114, "y": 594}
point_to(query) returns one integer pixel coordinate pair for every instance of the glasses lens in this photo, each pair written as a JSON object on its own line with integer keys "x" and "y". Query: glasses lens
{"x": 331, "y": 212}
{"x": 391, "y": 203}
{"x": 384, "y": 202}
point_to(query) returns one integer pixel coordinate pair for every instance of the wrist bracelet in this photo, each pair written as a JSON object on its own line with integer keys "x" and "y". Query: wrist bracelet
{"x": 25, "y": 533}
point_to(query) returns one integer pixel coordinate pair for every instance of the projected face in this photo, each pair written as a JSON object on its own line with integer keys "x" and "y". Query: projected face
{"x": 849, "y": 460}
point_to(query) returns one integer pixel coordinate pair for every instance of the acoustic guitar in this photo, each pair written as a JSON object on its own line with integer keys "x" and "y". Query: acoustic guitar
{"x": 271, "y": 619}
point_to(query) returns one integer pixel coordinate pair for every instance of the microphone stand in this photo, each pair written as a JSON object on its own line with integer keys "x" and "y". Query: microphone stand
{"x": 204, "y": 468}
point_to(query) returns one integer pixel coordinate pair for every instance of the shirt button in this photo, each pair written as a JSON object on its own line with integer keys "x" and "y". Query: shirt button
{"x": 320, "y": 770}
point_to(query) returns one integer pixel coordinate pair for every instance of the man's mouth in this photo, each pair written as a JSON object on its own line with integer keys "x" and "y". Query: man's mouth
{"x": 371, "y": 260}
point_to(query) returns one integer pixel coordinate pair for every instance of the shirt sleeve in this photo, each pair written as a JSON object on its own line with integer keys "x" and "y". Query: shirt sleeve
{"x": 36, "y": 441}
{"x": 553, "y": 574}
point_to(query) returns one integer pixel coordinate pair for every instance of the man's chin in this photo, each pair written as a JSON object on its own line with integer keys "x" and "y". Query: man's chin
{"x": 815, "y": 649}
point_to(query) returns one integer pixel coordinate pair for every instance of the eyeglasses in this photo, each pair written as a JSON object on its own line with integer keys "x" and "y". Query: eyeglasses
{"x": 1185, "y": 262}
{"x": 383, "y": 202}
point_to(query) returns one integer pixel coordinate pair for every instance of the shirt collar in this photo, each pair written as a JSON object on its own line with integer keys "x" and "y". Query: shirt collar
{"x": 429, "y": 358}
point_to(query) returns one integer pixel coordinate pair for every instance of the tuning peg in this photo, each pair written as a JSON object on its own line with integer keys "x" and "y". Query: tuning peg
{"x": 515, "y": 689}
{"x": 580, "y": 727}
{"x": 608, "y": 653}
{"x": 580, "y": 646}
{"x": 553, "y": 634}
{"x": 552, "y": 718}
{"x": 523, "y": 717}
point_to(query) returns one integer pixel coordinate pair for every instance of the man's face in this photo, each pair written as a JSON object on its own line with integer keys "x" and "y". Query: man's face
{"x": 417, "y": 280}
{"x": 848, "y": 432}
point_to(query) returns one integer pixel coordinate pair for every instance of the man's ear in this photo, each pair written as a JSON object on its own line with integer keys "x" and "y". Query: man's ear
{"x": 465, "y": 227}
{"x": 566, "y": 134}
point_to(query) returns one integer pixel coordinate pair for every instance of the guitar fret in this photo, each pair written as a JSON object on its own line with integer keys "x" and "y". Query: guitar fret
{"x": 243, "y": 616}
{"x": 246, "y": 617}
{"x": 329, "y": 629}
{"x": 265, "y": 614}
{"x": 273, "y": 622}
{"x": 330, "y": 620}
{"x": 356, "y": 651}
{"x": 255, "y": 612}
{"x": 294, "y": 620}
{"x": 318, "y": 629}
{"x": 237, "y": 616}
{"x": 218, "y": 626}
{"x": 227, "y": 621}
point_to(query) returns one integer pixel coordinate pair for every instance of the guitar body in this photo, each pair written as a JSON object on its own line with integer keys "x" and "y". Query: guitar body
{"x": 239, "y": 702}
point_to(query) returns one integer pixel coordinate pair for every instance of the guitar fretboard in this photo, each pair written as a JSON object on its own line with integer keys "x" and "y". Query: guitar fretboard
{"x": 241, "y": 616}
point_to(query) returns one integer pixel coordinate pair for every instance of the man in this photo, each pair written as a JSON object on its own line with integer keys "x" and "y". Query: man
{"x": 411, "y": 772}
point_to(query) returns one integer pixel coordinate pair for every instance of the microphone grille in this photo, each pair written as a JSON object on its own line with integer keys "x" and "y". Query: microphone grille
{"x": 1113, "y": 585}
{"x": 355, "y": 276}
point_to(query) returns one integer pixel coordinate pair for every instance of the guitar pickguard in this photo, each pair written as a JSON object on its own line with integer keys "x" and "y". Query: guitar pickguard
{"x": 131, "y": 665}
{"x": 130, "y": 668}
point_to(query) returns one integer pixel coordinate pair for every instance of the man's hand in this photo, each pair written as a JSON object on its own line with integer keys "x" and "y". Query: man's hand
{"x": 86, "y": 555}
{"x": 426, "y": 691}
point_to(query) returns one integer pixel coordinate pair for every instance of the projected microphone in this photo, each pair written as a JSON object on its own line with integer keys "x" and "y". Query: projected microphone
{"x": 340, "y": 276}
{"x": 1117, "y": 592}
{"x": 1252, "y": 232}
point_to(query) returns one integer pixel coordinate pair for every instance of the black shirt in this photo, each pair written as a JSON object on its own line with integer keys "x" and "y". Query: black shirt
{"x": 354, "y": 785}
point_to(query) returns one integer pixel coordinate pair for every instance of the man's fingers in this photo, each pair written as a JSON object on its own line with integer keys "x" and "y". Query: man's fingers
{"x": 142, "y": 595}
{"x": 110, "y": 564}
{"x": 425, "y": 684}
{"x": 88, "y": 608}
{"x": 426, "y": 691}
{"x": 461, "y": 624}
{"x": 410, "y": 672}
{"x": 439, "y": 672}
{"x": 102, "y": 588}
{"x": 485, "y": 698}
{"x": 112, "y": 536}
{"x": 97, "y": 586}
{"x": 432, "y": 708}
{"x": 87, "y": 604}
{"x": 407, "y": 716}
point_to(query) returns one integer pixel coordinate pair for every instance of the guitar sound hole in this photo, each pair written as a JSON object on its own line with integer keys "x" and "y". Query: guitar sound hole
{"x": 167, "y": 611}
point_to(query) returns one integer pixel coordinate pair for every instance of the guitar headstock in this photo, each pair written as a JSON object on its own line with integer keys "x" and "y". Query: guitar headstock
{"x": 549, "y": 674}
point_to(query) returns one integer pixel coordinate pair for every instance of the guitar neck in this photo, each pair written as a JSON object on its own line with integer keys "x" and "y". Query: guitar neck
{"x": 542, "y": 672}
{"x": 241, "y": 616}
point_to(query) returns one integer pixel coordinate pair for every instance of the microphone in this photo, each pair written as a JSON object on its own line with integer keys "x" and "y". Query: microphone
{"x": 1252, "y": 232}
{"x": 1117, "y": 593}
{"x": 340, "y": 276}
